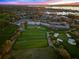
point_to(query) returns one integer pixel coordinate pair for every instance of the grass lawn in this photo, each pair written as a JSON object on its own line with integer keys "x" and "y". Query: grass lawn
{"x": 36, "y": 53}
{"x": 33, "y": 45}
{"x": 7, "y": 32}
{"x": 72, "y": 49}
{"x": 33, "y": 37}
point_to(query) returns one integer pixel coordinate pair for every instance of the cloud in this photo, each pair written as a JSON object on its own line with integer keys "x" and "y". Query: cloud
{"x": 31, "y": 0}
{"x": 70, "y": 0}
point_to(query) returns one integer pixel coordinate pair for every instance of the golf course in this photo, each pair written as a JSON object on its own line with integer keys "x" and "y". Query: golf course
{"x": 32, "y": 44}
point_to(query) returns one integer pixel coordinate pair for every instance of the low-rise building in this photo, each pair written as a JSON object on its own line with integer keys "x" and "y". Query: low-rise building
{"x": 59, "y": 25}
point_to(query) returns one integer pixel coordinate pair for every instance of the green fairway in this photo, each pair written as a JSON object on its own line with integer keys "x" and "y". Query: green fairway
{"x": 33, "y": 45}
{"x": 33, "y": 37}
{"x": 36, "y": 53}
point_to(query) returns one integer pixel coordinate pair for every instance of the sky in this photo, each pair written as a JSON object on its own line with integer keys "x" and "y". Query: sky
{"x": 23, "y": 0}
{"x": 35, "y": 1}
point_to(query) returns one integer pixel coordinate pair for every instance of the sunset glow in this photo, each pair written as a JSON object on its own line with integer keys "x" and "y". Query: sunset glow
{"x": 35, "y": 2}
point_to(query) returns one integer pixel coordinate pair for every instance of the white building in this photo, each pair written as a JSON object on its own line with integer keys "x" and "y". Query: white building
{"x": 71, "y": 41}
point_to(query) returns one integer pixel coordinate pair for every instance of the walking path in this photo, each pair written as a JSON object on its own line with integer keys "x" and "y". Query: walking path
{"x": 49, "y": 40}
